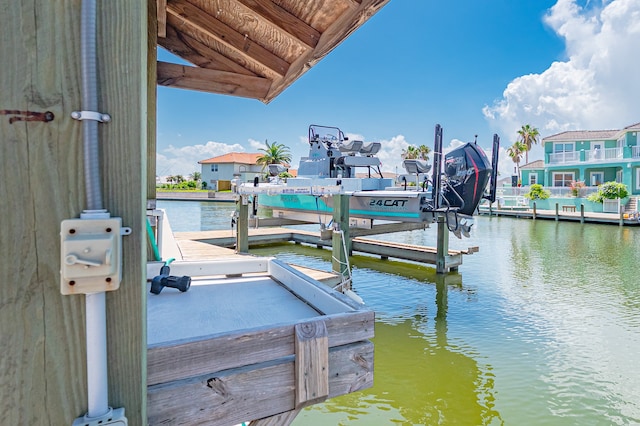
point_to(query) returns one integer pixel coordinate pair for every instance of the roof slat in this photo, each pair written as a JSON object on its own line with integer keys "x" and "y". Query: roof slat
{"x": 284, "y": 20}
{"x": 216, "y": 29}
{"x": 197, "y": 53}
{"x": 213, "y": 81}
{"x": 345, "y": 25}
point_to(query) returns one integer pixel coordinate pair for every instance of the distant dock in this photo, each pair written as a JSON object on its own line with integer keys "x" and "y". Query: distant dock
{"x": 563, "y": 214}
{"x": 263, "y": 236}
{"x": 226, "y": 197}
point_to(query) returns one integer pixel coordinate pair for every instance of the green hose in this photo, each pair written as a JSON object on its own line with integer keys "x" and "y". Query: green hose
{"x": 152, "y": 239}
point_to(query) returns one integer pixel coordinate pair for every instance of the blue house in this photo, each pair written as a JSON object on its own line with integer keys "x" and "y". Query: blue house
{"x": 590, "y": 156}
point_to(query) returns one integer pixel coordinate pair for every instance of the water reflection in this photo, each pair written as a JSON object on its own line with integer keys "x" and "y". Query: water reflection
{"x": 420, "y": 377}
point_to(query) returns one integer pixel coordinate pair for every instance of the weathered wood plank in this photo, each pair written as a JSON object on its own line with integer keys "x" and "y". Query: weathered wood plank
{"x": 285, "y": 20}
{"x": 161, "y": 13}
{"x": 282, "y": 419}
{"x": 196, "y": 52}
{"x": 213, "y": 27}
{"x": 255, "y": 391}
{"x": 312, "y": 363}
{"x": 212, "y": 353}
{"x": 212, "y": 81}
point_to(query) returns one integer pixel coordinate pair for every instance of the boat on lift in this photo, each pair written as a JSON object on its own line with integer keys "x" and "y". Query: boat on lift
{"x": 426, "y": 191}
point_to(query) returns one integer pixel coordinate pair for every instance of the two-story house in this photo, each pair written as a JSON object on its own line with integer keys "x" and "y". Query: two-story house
{"x": 218, "y": 172}
{"x": 590, "y": 156}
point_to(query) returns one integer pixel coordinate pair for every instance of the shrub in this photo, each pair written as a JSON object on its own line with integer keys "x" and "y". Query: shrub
{"x": 576, "y": 187}
{"x": 537, "y": 192}
{"x": 609, "y": 191}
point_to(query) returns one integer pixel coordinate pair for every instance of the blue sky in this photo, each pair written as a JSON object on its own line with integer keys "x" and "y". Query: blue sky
{"x": 477, "y": 67}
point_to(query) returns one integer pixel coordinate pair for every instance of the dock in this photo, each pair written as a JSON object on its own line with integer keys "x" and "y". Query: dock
{"x": 564, "y": 214}
{"x": 191, "y": 242}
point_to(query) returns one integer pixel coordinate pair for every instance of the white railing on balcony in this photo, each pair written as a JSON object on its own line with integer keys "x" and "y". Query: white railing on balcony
{"x": 607, "y": 154}
{"x": 635, "y": 151}
{"x": 564, "y": 157}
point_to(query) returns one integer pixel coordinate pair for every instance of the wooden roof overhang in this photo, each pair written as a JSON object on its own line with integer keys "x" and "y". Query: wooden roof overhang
{"x": 252, "y": 48}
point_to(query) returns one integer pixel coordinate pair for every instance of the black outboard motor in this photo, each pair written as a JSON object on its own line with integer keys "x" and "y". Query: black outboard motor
{"x": 467, "y": 172}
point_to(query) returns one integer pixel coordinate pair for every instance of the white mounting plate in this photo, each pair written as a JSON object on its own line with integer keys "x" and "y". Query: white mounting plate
{"x": 90, "y": 255}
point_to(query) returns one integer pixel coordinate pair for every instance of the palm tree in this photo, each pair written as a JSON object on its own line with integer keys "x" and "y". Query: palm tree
{"x": 196, "y": 176}
{"x": 424, "y": 152}
{"x": 515, "y": 151}
{"x": 529, "y": 137}
{"x": 410, "y": 153}
{"x": 274, "y": 153}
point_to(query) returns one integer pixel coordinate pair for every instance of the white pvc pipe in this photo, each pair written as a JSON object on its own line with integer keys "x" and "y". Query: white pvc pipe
{"x": 96, "y": 337}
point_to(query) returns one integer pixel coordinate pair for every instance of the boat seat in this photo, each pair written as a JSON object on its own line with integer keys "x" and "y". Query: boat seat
{"x": 371, "y": 148}
{"x": 416, "y": 166}
{"x": 350, "y": 147}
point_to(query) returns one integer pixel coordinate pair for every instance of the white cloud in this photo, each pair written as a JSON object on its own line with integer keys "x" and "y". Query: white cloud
{"x": 595, "y": 88}
{"x": 256, "y": 145}
{"x": 184, "y": 160}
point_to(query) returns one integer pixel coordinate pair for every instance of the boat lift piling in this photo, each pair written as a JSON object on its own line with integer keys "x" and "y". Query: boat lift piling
{"x": 340, "y": 241}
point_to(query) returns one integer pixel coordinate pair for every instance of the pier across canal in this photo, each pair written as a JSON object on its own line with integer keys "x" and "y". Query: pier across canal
{"x": 265, "y": 236}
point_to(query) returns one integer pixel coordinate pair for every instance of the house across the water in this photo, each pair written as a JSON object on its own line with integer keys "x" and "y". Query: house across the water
{"x": 589, "y": 156}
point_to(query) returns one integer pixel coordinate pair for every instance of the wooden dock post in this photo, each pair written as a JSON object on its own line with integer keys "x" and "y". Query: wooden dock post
{"x": 442, "y": 246}
{"x": 341, "y": 221}
{"x": 557, "y": 214}
{"x": 621, "y": 216}
{"x": 43, "y": 379}
{"x": 581, "y": 212}
{"x": 242, "y": 225}
{"x": 534, "y": 210}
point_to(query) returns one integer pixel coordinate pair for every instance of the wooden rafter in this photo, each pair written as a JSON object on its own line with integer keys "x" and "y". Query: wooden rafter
{"x": 213, "y": 81}
{"x": 256, "y": 47}
{"x": 198, "y": 53}
{"x": 219, "y": 31}
{"x": 279, "y": 17}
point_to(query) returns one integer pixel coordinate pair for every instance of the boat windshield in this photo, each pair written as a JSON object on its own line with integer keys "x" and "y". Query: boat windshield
{"x": 326, "y": 134}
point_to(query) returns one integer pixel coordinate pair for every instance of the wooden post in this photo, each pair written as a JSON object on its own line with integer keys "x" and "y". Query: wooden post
{"x": 242, "y": 224}
{"x": 341, "y": 220}
{"x": 582, "y": 213}
{"x": 442, "y": 249}
{"x": 41, "y": 167}
{"x": 534, "y": 211}
{"x": 312, "y": 363}
{"x": 557, "y": 215}
{"x": 621, "y": 216}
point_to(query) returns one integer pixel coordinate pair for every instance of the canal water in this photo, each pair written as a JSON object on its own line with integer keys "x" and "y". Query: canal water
{"x": 540, "y": 327}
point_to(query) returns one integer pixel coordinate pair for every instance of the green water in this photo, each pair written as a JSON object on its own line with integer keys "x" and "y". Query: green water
{"x": 540, "y": 327}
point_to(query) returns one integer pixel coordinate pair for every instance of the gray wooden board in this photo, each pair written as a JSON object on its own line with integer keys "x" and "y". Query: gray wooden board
{"x": 190, "y": 358}
{"x": 216, "y": 306}
{"x": 253, "y": 391}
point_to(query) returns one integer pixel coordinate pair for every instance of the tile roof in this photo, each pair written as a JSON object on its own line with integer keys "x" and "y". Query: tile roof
{"x": 233, "y": 157}
{"x": 590, "y": 135}
{"x": 581, "y": 135}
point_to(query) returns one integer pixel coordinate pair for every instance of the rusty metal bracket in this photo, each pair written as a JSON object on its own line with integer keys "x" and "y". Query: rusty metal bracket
{"x": 27, "y": 115}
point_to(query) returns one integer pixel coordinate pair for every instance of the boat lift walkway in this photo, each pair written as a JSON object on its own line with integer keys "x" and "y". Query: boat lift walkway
{"x": 265, "y": 236}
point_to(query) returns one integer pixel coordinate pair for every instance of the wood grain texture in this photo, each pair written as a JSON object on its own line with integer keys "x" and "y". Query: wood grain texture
{"x": 312, "y": 363}
{"x": 241, "y": 44}
{"x": 42, "y": 377}
{"x": 215, "y": 353}
{"x": 212, "y": 81}
{"x": 254, "y": 391}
